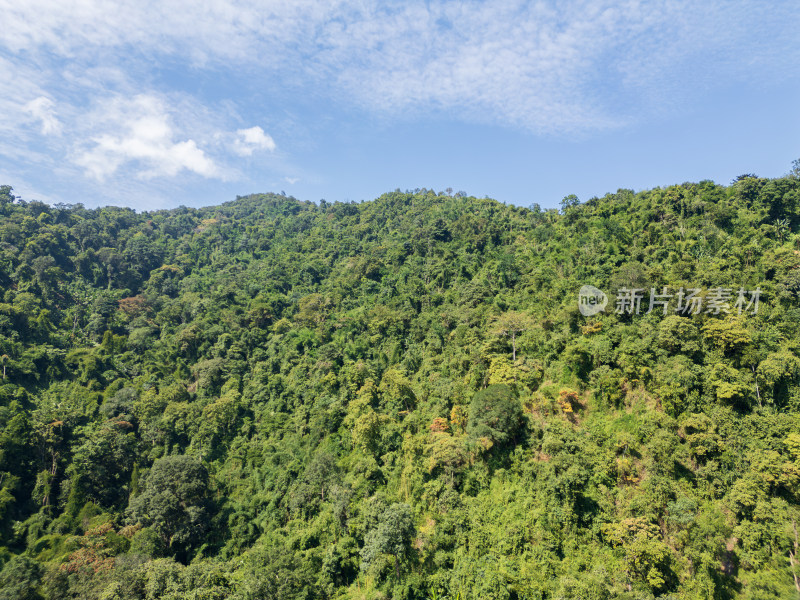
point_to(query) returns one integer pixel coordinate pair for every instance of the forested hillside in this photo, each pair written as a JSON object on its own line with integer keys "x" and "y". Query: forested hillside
{"x": 276, "y": 399}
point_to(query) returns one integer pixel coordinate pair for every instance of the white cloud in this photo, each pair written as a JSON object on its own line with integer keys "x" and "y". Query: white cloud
{"x": 138, "y": 131}
{"x": 551, "y": 67}
{"x": 249, "y": 140}
{"x": 291, "y": 180}
{"x": 42, "y": 109}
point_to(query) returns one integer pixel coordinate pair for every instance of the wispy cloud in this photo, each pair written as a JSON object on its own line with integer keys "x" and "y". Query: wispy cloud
{"x": 42, "y": 109}
{"x": 547, "y": 67}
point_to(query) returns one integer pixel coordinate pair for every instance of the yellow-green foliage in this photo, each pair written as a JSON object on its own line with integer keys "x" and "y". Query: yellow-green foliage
{"x": 273, "y": 398}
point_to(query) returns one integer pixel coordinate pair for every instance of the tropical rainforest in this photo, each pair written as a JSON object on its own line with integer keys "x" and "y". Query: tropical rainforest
{"x": 402, "y": 398}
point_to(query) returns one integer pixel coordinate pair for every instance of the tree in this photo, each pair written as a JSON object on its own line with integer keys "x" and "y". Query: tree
{"x": 175, "y": 502}
{"x": 105, "y": 462}
{"x": 678, "y": 334}
{"x": 729, "y": 335}
{"x": 19, "y": 579}
{"x": 393, "y": 535}
{"x": 511, "y": 324}
{"x": 315, "y": 486}
{"x": 778, "y": 370}
{"x": 6, "y": 195}
{"x": 568, "y": 202}
{"x": 646, "y": 556}
{"x": 447, "y": 454}
{"x": 494, "y": 414}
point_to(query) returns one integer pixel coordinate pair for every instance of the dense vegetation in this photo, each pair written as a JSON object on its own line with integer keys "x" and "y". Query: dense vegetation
{"x": 400, "y": 399}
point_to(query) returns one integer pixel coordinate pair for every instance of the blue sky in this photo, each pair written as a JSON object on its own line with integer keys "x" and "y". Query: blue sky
{"x": 157, "y": 104}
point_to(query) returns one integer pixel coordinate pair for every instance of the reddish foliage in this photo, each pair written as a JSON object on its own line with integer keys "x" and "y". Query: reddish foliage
{"x": 439, "y": 425}
{"x": 133, "y": 306}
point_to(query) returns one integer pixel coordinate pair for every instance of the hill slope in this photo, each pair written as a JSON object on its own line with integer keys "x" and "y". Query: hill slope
{"x": 401, "y": 398}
